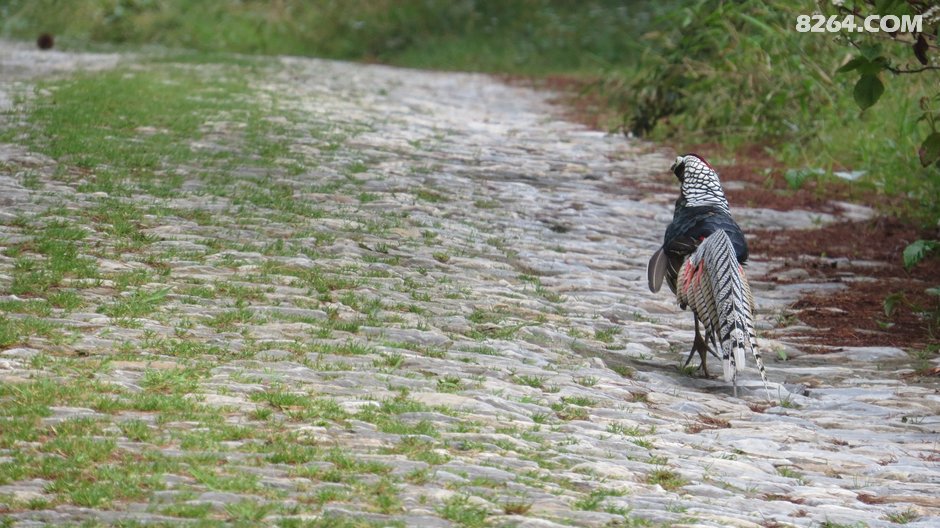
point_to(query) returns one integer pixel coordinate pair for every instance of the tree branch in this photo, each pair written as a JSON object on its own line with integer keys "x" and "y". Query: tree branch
{"x": 899, "y": 71}
{"x": 894, "y": 69}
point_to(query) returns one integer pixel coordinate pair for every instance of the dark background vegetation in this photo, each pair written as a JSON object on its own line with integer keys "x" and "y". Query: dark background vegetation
{"x": 734, "y": 76}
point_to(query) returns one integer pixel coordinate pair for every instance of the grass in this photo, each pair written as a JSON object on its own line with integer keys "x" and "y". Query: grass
{"x": 52, "y": 256}
{"x": 461, "y": 511}
{"x": 137, "y": 304}
{"x": 593, "y": 501}
{"x": 164, "y": 359}
{"x": 784, "y": 471}
{"x": 19, "y": 331}
{"x": 536, "y": 382}
{"x": 125, "y": 133}
{"x": 668, "y": 479}
{"x": 531, "y": 37}
{"x": 419, "y": 449}
{"x": 570, "y": 412}
{"x": 583, "y": 401}
{"x": 624, "y": 370}
{"x": 903, "y": 517}
{"x": 99, "y": 117}
{"x": 607, "y": 335}
{"x": 516, "y": 507}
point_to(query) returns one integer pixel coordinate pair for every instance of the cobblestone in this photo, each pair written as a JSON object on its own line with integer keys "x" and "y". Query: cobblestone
{"x": 486, "y": 344}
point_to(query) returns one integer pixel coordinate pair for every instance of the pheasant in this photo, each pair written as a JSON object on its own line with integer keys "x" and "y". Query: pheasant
{"x": 702, "y": 260}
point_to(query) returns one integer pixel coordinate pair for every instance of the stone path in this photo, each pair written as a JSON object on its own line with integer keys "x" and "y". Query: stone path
{"x": 453, "y": 330}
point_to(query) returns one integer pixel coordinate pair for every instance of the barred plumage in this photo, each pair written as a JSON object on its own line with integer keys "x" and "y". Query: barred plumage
{"x": 702, "y": 261}
{"x": 714, "y": 286}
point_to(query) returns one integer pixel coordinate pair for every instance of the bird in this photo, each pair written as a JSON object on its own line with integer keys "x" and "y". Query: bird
{"x": 702, "y": 260}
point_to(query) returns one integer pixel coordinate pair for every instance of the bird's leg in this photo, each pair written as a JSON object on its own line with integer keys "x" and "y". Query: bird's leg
{"x": 698, "y": 345}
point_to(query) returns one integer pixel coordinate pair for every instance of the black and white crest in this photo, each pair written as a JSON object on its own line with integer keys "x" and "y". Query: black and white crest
{"x": 699, "y": 183}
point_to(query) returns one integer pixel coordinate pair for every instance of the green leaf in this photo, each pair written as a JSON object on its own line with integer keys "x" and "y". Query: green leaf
{"x": 796, "y": 177}
{"x": 933, "y": 291}
{"x": 891, "y": 7}
{"x": 891, "y": 303}
{"x": 870, "y": 51}
{"x": 853, "y": 64}
{"x": 917, "y": 250}
{"x": 874, "y": 66}
{"x": 868, "y": 90}
{"x": 929, "y": 151}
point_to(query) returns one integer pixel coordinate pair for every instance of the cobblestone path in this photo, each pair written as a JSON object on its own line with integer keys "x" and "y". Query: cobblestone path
{"x": 429, "y": 309}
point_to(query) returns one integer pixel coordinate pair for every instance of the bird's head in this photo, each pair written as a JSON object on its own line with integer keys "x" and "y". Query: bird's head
{"x": 698, "y": 182}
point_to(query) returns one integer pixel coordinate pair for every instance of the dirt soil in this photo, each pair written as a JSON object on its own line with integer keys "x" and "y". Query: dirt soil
{"x": 865, "y": 255}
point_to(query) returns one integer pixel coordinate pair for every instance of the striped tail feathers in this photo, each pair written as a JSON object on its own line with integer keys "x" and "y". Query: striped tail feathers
{"x": 752, "y": 336}
{"x": 713, "y": 284}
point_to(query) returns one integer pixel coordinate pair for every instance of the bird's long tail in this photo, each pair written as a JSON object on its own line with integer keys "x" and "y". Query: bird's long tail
{"x": 713, "y": 284}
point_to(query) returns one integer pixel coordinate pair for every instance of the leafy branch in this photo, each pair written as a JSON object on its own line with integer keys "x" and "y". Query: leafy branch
{"x": 872, "y": 59}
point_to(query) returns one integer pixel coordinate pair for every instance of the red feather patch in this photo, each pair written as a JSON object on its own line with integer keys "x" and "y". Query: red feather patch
{"x": 709, "y": 165}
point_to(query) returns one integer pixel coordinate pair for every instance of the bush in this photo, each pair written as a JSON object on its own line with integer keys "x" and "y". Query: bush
{"x": 735, "y": 72}
{"x": 721, "y": 69}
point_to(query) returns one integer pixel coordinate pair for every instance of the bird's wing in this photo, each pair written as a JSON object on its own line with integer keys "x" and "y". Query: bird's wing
{"x": 676, "y": 252}
{"x": 656, "y": 270}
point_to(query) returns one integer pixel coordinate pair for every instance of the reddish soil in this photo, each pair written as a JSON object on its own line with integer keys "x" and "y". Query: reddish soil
{"x": 866, "y": 256}
{"x": 856, "y": 315}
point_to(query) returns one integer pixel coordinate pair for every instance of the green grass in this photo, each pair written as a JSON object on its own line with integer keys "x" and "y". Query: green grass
{"x": 137, "y": 304}
{"x": 536, "y": 382}
{"x": 607, "y": 335}
{"x": 570, "y": 412}
{"x": 595, "y": 498}
{"x": 220, "y": 481}
{"x": 461, "y": 511}
{"x": 419, "y": 449}
{"x": 126, "y": 131}
{"x": 79, "y": 456}
{"x": 904, "y": 516}
{"x": 53, "y": 255}
{"x": 164, "y": 406}
{"x": 583, "y": 401}
{"x": 668, "y": 479}
{"x": 187, "y": 511}
{"x": 99, "y": 119}
{"x": 784, "y": 471}
{"x": 489, "y": 35}
{"x": 20, "y": 330}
